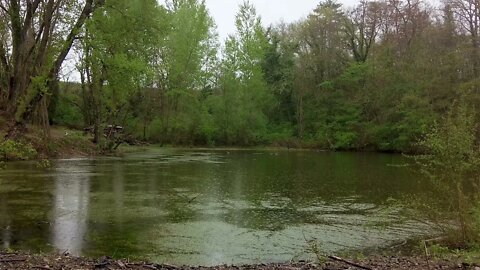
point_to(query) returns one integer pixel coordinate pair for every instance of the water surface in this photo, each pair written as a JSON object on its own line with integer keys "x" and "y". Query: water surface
{"x": 200, "y": 207}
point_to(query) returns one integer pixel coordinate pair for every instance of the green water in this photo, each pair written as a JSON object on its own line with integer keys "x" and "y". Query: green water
{"x": 209, "y": 207}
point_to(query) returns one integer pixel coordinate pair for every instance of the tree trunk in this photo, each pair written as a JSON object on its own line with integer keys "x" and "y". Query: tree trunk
{"x": 145, "y": 130}
{"x": 31, "y": 74}
{"x": 96, "y": 131}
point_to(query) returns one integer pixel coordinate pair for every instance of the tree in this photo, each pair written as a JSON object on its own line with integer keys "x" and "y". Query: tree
{"x": 362, "y": 27}
{"x": 371, "y": 77}
{"x": 242, "y": 102}
{"x": 278, "y": 67}
{"x": 467, "y": 14}
{"x": 118, "y": 50}
{"x": 321, "y": 57}
{"x": 36, "y": 38}
{"x": 188, "y": 66}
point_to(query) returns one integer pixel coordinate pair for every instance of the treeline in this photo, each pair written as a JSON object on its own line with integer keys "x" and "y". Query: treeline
{"x": 372, "y": 77}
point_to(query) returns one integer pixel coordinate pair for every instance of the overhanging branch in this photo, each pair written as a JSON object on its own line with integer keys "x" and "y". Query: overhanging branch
{"x": 89, "y": 8}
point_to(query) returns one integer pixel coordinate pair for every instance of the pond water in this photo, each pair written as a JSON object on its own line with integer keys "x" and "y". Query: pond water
{"x": 209, "y": 207}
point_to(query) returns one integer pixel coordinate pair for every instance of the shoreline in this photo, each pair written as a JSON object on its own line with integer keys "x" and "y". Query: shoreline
{"x": 20, "y": 260}
{"x": 65, "y": 143}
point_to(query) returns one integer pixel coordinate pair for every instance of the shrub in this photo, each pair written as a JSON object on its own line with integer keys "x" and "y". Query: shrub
{"x": 16, "y": 150}
{"x": 452, "y": 163}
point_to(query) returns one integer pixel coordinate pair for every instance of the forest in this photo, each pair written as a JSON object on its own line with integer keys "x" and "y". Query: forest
{"x": 375, "y": 76}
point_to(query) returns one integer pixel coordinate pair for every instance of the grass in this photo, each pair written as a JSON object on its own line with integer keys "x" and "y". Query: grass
{"x": 469, "y": 256}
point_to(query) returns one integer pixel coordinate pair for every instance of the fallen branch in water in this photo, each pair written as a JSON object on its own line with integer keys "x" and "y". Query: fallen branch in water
{"x": 194, "y": 198}
{"x": 335, "y": 258}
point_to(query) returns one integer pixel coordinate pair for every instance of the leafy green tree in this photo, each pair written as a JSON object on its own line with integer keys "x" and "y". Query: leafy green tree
{"x": 278, "y": 67}
{"x": 188, "y": 66}
{"x": 117, "y": 55}
{"x": 322, "y": 57}
{"x": 241, "y": 104}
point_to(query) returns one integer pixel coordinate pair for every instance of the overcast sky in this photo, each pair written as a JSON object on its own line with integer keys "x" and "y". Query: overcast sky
{"x": 271, "y": 11}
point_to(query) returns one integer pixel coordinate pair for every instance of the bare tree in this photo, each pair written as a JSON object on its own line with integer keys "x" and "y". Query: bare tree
{"x": 362, "y": 27}
{"x": 404, "y": 21}
{"x": 467, "y": 15}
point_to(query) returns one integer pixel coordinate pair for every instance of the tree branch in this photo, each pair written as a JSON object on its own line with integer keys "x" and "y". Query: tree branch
{"x": 25, "y": 113}
{"x": 2, "y": 7}
{"x": 4, "y": 58}
{"x": 15, "y": 20}
{"x": 88, "y": 9}
{"x": 31, "y": 10}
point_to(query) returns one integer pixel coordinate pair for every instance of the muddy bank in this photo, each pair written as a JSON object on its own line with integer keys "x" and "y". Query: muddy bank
{"x": 51, "y": 262}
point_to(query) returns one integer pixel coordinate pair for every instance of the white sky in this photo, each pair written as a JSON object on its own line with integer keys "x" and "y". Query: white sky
{"x": 271, "y": 11}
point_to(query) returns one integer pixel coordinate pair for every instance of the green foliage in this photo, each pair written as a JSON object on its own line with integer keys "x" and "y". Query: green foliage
{"x": 174, "y": 110}
{"x": 43, "y": 164}
{"x": 452, "y": 163}
{"x": 338, "y": 79}
{"x": 16, "y": 150}
{"x": 240, "y": 105}
{"x": 68, "y": 109}
{"x": 38, "y": 86}
{"x": 451, "y": 145}
{"x": 280, "y": 133}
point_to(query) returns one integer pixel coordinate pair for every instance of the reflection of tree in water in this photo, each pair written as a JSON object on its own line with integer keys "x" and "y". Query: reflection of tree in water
{"x": 24, "y": 209}
{"x": 72, "y": 187}
{"x": 4, "y": 222}
{"x": 116, "y": 217}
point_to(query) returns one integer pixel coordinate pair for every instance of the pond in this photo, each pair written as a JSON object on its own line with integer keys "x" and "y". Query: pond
{"x": 209, "y": 207}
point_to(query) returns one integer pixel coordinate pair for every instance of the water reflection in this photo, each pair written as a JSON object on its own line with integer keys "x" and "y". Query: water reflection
{"x": 72, "y": 188}
{"x": 4, "y": 222}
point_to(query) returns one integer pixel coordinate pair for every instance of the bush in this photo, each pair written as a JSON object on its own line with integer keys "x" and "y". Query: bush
{"x": 452, "y": 163}
{"x": 16, "y": 150}
{"x": 280, "y": 134}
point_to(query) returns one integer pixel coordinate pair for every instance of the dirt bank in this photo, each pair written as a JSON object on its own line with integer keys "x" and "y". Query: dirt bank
{"x": 62, "y": 143}
{"x": 35, "y": 144}
{"x": 50, "y": 262}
